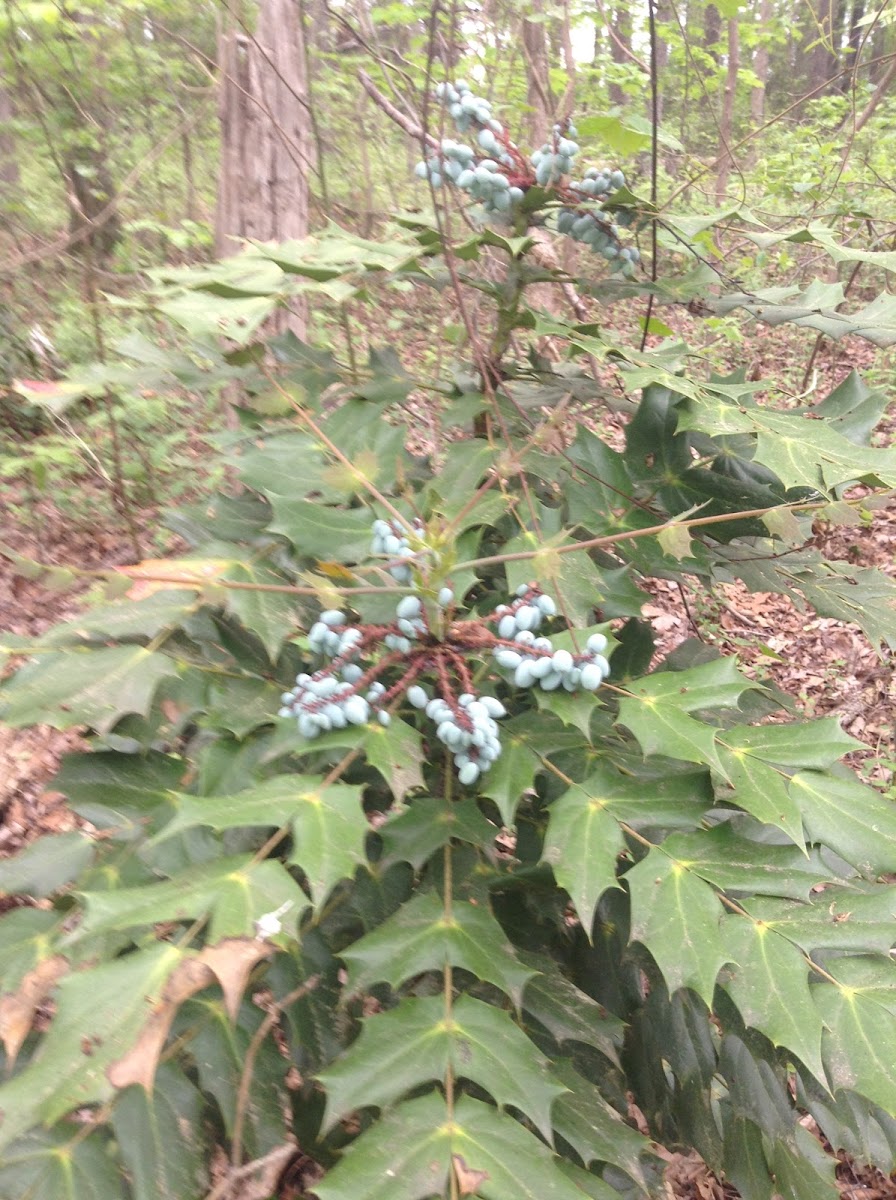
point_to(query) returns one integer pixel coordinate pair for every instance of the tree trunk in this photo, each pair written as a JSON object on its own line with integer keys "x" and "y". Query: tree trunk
{"x": 567, "y": 104}
{"x": 91, "y": 192}
{"x": 265, "y": 136}
{"x": 538, "y": 83}
{"x": 712, "y": 31}
{"x": 726, "y": 121}
{"x": 854, "y": 43}
{"x": 620, "y": 32}
{"x": 761, "y": 65}
{"x": 662, "y": 16}
{"x": 822, "y": 59}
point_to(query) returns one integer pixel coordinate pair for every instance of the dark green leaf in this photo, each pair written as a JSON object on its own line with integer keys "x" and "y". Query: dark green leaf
{"x": 803, "y": 1171}
{"x": 664, "y": 729}
{"x": 271, "y": 616}
{"x": 582, "y": 843}
{"x": 745, "y": 1163}
{"x": 762, "y": 791}
{"x": 47, "y": 864}
{"x": 419, "y": 937}
{"x": 316, "y": 531}
{"x": 408, "y": 1155}
{"x": 857, "y": 1043}
{"x": 219, "y": 1048}
{"x": 396, "y": 751}
{"x": 593, "y": 1128}
{"x": 102, "y": 1009}
{"x": 25, "y": 941}
{"x": 736, "y": 864}
{"x": 413, "y": 834}
{"x": 513, "y": 775}
{"x": 328, "y": 823}
{"x": 844, "y": 918}
{"x": 144, "y": 618}
{"x": 62, "y": 1164}
{"x": 161, "y": 1136}
{"x": 797, "y": 744}
{"x": 757, "y": 1090}
{"x": 569, "y": 1014}
{"x": 853, "y": 409}
{"x": 232, "y": 892}
{"x": 415, "y": 1043}
{"x": 854, "y": 820}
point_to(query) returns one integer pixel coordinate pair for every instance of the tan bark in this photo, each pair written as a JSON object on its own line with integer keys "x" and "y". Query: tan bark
{"x": 266, "y": 144}
{"x": 538, "y": 83}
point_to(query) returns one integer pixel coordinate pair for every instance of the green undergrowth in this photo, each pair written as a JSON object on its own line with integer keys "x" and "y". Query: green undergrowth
{"x": 664, "y": 891}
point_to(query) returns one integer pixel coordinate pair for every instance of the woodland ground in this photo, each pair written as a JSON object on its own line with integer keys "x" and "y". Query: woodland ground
{"x": 827, "y": 666}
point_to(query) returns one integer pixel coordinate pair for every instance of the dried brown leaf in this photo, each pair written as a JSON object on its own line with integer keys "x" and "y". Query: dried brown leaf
{"x": 229, "y": 962}
{"x": 17, "y": 1008}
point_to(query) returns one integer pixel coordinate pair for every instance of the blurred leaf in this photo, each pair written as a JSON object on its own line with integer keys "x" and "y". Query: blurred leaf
{"x": 84, "y": 687}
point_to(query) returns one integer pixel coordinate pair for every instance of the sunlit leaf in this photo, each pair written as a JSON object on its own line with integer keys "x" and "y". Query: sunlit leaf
{"x": 770, "y": 986}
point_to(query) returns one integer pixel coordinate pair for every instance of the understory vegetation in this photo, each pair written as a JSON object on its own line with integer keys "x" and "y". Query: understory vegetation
{"x": 406, "y": 863}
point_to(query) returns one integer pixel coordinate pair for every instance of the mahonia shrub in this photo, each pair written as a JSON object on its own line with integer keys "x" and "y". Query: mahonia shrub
{"x": 405, "y": 869}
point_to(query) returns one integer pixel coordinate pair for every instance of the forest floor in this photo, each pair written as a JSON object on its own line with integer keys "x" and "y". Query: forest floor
{"x": 827, "y": 666}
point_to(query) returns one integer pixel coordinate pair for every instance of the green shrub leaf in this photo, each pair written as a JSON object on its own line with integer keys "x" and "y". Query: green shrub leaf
{"x": 420, "y": 938}
{"x": 416, "y": 1042}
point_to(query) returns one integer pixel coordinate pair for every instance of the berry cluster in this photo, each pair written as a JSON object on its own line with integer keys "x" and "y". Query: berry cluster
{"x": 468, "y": 729}
{"x": 554, "y": 159}
{"x": 389, "y": 538}
{"x": 425, "y": 640}
{"x": 498, "y": 175}
{"x": 531, "y": 660}
{"x": 487, "y": 177}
